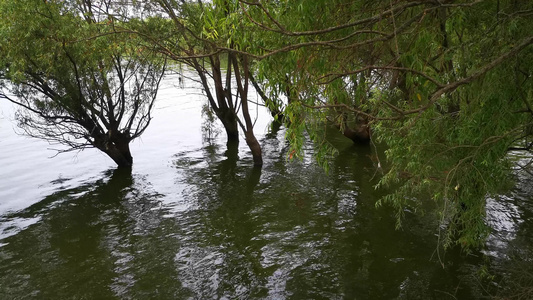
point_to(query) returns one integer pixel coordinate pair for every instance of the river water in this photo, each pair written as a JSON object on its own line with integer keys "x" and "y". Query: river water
{"x": 196, "y": 221}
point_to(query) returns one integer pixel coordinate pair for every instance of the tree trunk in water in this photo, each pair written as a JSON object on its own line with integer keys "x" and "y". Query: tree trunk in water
{"x": 221, "y": 100}
{"x": 251, "y": 141}
{"x": 254, "y": 146}
{"x": 120, "y": 153}
{"x": 229, "y": 120}
{"x": 232, "y": 150}
{"x": 361, "y": 135}
{"x": 117, "y": 146}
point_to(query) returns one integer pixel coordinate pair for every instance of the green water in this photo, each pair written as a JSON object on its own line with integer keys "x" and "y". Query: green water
{"x": 194, "y": 220}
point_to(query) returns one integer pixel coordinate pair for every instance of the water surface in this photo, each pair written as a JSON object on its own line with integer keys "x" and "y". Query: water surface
{"x": 194, "y": 220}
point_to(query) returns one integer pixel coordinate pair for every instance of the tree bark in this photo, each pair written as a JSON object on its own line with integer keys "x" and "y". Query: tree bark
{"x": 117, "y": 146}
{"x": 359, "y": 135}
{"x": 254, "y": 146}
{"x": 251, "y": 141}
{"x": 121, "y": 157}
{"x": 224, "y": 110}
{"x": 229, "y": 121}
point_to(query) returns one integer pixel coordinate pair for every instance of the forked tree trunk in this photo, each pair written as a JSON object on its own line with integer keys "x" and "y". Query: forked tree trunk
{"x": 221, "y": 105}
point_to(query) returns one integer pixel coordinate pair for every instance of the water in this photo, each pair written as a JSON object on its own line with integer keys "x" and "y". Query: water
{"x": 196, "y": 221}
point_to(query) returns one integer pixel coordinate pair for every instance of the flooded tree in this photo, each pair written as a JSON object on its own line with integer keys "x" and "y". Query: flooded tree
{"x": 77, "y": 83}
{"x": 192, "y": 33}
{"x": 445, "y": 85}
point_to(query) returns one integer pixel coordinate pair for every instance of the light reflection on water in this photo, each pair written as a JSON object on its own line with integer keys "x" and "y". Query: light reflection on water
{"x": 195, "y": 220}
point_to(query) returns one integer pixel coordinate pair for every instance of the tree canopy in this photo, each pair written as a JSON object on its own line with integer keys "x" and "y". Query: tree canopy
{"x": 446, "y": 86}
{"x": 80, "y": 84}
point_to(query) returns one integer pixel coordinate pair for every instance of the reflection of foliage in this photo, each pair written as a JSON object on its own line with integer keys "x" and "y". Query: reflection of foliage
{"x": 86, "y": 244}
{"x": 446, "y": 85}
{"x": 518, "y": 281}
{"x": 210, "y": 131}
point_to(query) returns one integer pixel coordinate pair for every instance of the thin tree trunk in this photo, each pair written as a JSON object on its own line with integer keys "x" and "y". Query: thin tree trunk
{"x": 225, "y": 113}
{"x": 273, "y": 106}
{"x": 251, "y": 140}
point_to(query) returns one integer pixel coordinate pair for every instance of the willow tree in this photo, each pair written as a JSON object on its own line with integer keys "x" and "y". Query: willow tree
{"x": 192, "y": 33}
{"x": 77, "y": 83}
{"x": 447, "y": 85}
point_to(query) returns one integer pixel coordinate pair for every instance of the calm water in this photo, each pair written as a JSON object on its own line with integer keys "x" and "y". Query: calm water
{"x": 194, "y": 220}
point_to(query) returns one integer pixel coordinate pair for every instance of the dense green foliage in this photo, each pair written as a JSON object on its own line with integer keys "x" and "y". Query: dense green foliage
{"x": 445, "y": 85}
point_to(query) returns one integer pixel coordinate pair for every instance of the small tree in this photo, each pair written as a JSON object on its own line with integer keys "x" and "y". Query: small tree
{"x": 78, "y": 83}
{"x": 194, "y": 37}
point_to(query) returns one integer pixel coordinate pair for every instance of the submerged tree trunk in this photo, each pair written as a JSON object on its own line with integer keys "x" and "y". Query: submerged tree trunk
{"x": 117, "y": 146}
{"x": 251, "y": 140}
{"x": 360, "y": 135}
{"x": 254, "y": 146}
{"x": 225, "y": 105}
{"x": 229, "y": 121}
{"x": 120, "y": 153}
{"x": 220, "y": 101}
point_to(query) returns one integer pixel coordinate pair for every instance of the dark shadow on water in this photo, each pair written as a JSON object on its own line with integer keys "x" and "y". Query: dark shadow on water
{"x": 228, "y": 165}
{"x": 101, "y": 240}
{"x": 232, "y": 151}
{"x": 112, "y": 181}
{"x": 284, "y": 231}
{"x": 254, "y": 177}
{"x": 119, "y": 181}
{"x": 289, "y": 230}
